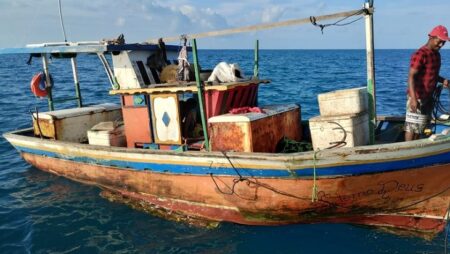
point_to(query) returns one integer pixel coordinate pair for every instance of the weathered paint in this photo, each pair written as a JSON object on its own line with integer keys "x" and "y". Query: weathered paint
{"x": 58, "y": 124}
{"x": 421, "y": 193}
{"x": 166, "y": 119}
{"x": 255, "y": 132}
{"x": 136, "y": 118}
{"x": 402, "y": 185}
{"x": 220, "y": 101}
{"x": 341, "y": 162}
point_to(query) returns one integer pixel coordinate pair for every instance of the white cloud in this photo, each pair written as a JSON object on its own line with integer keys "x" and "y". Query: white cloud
{"x": 120, "y": 22}
{"x": 24, "y": 21}
{"x": 272, "y": 13}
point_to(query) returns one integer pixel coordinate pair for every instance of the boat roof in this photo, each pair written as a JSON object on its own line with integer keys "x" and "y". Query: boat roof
{"x": 83, "y": 47}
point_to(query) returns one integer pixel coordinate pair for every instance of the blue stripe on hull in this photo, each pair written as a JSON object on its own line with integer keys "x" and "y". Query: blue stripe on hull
{"x": 248, "y": 172}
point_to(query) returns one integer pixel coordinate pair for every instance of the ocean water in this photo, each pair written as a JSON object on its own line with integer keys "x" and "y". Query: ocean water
{"x": 43, "y": 213}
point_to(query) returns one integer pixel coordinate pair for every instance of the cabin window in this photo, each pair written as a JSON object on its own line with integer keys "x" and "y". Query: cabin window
{"x": 155, "y": 75}
{"x": 143, "y": 72}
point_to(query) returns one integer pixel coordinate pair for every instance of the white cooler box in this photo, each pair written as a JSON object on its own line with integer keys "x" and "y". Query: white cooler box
{"x": 107, "y": 134}
{"x": 72, "y": 124}
{"x": 343, "y": 102}
{"x": 325, "y": 130}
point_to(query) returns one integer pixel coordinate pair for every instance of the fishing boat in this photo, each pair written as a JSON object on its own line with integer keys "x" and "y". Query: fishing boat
{"x": 236, "y": 167}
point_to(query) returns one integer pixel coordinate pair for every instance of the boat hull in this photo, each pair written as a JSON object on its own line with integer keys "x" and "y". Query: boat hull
{"x": 413, "y": 199}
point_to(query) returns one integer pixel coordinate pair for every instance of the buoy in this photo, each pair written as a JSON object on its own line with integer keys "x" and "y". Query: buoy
{"x": 37, "y": 81}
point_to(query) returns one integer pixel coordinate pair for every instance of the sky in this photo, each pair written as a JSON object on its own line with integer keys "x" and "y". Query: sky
{"x": 398, "y": 24}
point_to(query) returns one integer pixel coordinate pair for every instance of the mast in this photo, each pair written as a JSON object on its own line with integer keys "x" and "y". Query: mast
{"x": 370, "y": 70}
{"x": 200, "y": 93}
{"x": 49, "y": 84}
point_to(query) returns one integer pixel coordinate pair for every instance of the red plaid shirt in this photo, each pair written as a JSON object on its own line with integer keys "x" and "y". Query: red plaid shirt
{"x": 428, "y": 63}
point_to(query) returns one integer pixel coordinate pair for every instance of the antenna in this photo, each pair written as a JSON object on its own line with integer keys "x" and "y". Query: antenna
{"x": 62, "y": 22}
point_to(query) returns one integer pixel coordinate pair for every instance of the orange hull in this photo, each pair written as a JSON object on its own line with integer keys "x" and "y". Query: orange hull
{"x": 414, "y": 199}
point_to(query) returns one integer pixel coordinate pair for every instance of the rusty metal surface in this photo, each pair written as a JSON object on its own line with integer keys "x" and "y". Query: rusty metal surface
{"x": 46, "y": 128}
{"x": 261, "y": 135}
{"x": 267, "y": 132}
{"x": 229, "y": 137}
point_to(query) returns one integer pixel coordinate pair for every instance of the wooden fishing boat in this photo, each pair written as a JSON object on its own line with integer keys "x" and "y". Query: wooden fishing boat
{"x": 388, "y": 183}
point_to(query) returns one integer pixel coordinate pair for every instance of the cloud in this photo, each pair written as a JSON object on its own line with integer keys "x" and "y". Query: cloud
{"x": 24, "y": 21}
{"x": 272, "y": 13}
{"x": 120, "y": 22}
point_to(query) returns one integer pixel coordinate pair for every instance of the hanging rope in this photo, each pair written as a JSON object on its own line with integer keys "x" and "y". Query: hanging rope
{"x": 439, "y": 106}
{"x": 338, "y": 23}
{"x": 315, "y": 189}
{"x": 62, "y": 22}
{"x": 446, "y": 229}
{"x": 37, "y": 120}
{"x": 342, "y": 142}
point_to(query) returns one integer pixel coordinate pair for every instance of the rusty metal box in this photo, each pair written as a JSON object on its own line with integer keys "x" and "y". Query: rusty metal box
{"x": 72, "y": 124}
{"x": 255, "y": 132}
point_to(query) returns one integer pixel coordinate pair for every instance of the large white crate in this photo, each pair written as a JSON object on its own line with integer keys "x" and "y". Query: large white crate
{"x": 343, "y": 102}
{"x": 326, "y": 130}
{"x": 105, "y": 134}
{"x": 72, "y": 124}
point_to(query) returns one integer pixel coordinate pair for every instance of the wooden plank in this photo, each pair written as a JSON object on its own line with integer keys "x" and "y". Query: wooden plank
{"x": 180, "y": 87}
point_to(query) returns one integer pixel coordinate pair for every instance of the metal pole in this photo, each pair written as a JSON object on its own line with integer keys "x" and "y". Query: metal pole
{"x": 200, "y": 93}
{"x": 370, "y": 71}
{"x": 76, "y": 81}
{"x": 48, "y": 82}
{"x": 256, "y": 66}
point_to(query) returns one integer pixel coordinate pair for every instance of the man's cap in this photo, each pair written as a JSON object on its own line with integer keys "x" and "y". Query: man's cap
{"x": 440, "y": 32}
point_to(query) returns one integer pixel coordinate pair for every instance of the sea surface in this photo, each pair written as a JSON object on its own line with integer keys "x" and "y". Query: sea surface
{"x": 44, "y": 213}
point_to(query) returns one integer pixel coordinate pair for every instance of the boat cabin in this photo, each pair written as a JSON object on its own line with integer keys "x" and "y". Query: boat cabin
{"x": 159, "y": 110}
{"x": 164, "y": 106}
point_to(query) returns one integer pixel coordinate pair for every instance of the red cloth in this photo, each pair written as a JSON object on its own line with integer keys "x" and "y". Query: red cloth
{"x": 244, "y": 110}
{"x": 428, "y": 63}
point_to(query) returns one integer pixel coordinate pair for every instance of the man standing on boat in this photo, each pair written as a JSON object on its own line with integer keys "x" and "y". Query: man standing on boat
{"x": 422, "y": 80}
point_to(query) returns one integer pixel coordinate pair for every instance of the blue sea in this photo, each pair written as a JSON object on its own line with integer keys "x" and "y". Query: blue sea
{"x": 44, "y": 213}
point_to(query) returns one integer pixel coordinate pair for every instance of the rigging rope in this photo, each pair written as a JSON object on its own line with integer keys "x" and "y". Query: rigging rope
{"x": 314, "y": 196}
{"x": 268, "y": 25}
{"x": 337, "y": 23}
{"x": 37, "y": 120}
{"x": 255, "y": 184}
{"x": 446, "y": 229}
{"x": 61, "y": 19}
